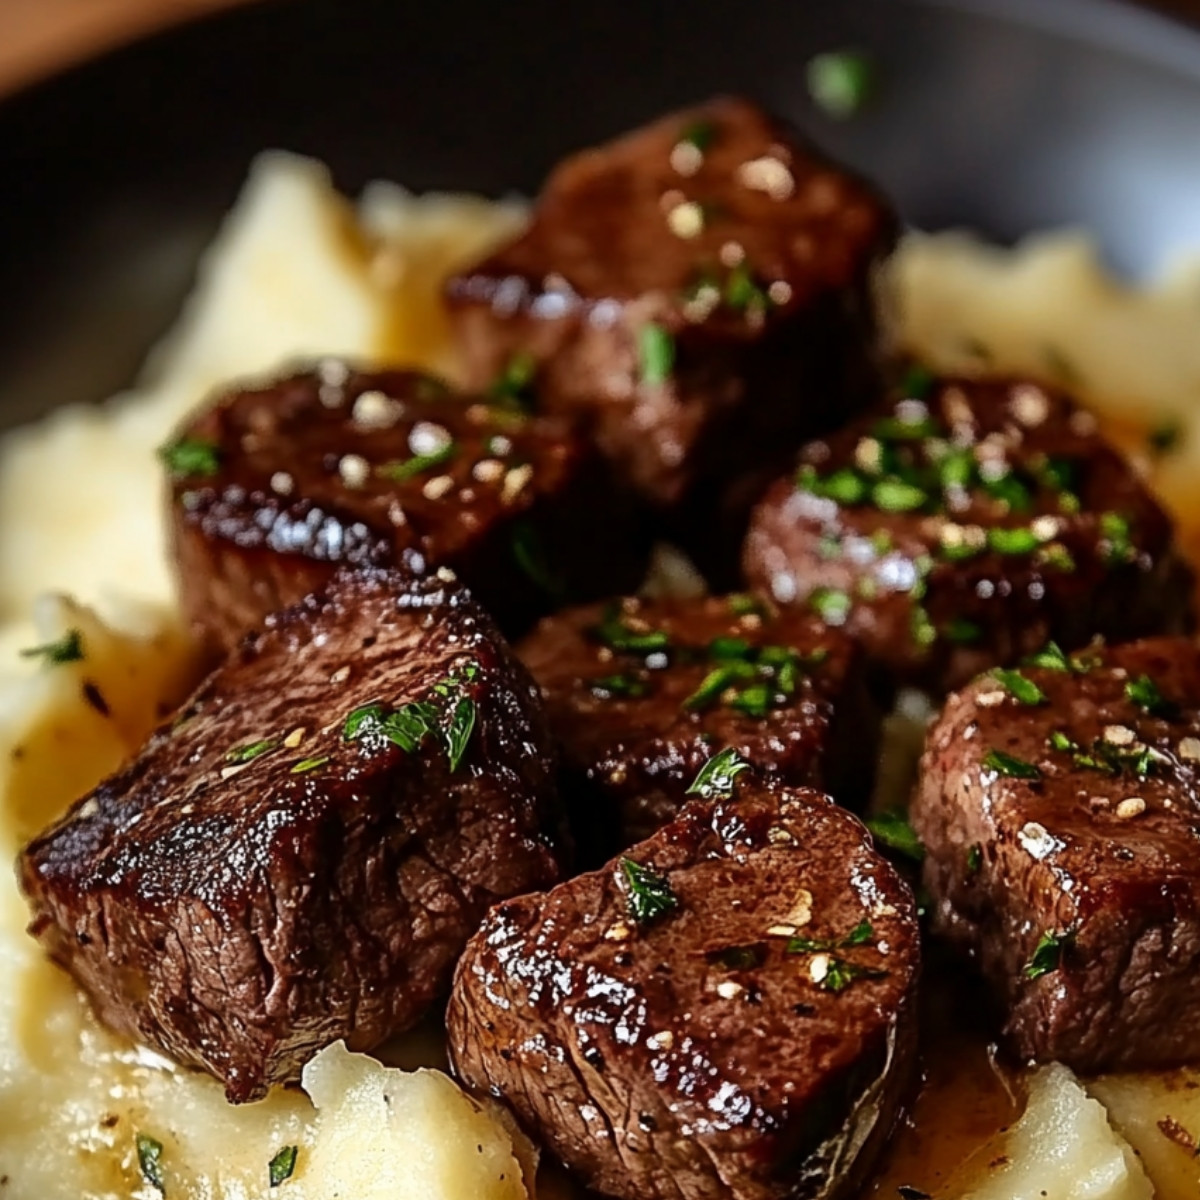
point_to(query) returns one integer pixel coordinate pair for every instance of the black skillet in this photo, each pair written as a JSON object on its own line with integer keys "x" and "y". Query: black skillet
{"x": 1005, "y": 116}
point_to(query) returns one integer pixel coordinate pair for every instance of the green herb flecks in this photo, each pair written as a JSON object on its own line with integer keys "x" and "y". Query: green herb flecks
{"x": 191, "y": 458}
{"x": 1145, "y": 693}
{"x": 647, "y": 893}
{"x": 961, "y": 631}
{"x": 1013, "y": 541}
{"x": 1116, "y": 546}
{"x": 715, "y": 780}
{"x": 742, "y": 604}
{"x": 974, "y": 860}
{"x": 149, "y": 1156}
{"x": 841, "y": 973}
{"x": 1108, "y": 759}
{"x": 699, "y": 134}
{"x": 1008, "y": 764}
{"x": 251, "y": 751}
{"x": 410, "y": 468}
{"x": 282, "y": 1166}
{"x": 896, "y": 496}
{"x": 831, "y": 605}
{"x": 744, "y": 293}
{"x": 861, "y": 935}
{"x": 513, "y": 388}
{"x": 609, "y": 687}
{"x": 529, "y": 553}
{"x": 738, "y": 958}
{"x": 618, "y": 635}
{"x": 893, "y": 831}
{"x": 1052, "y": 658}
{"x": 750, "y": 679}
{"x": 67, "y": 649}
{"x": 307, "y": 765}
{"x": 449, "y": 716}
{"x": 840, "y": 82}
{"x": 1024, "y": 690}
{"x": 1049, "y": 952}
{"x": 656, "y": 354}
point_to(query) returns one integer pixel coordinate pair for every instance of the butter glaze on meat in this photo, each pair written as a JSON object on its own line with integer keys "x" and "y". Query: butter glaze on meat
{"x": 966, "y": 525}
{"x": 254, "y": 886}
{"x": 332, "y": 467}
{"x": 701, "y": 295}
{"x": 1096, "y": 857}
{"x": 692, "y": 1055}
{"x": 638, "y": 693}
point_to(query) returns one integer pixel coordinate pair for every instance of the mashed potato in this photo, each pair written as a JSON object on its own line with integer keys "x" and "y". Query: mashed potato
{"x": 298, "y": 272}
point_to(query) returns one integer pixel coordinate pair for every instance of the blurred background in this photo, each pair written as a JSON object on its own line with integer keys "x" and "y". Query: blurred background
{"x": 40, "y": 36}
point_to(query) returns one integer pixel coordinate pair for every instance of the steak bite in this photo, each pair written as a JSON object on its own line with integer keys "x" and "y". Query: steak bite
{"x": 728, "y": 1010}
{"x": 301, "y": 856}
{"x": 699, "y": 294}
{"x": 1060, "y": 810}
{"x": 964, "y": 525}
{"x": 639, "y": 692}
{"x": 274, "y": 487}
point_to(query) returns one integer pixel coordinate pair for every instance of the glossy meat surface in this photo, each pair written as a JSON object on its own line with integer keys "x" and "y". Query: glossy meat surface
{"x": 1062, "y": 833}
{"x": 639, "y": 692}
{"x": 276, "y": 486}
{"x": 700, "y": 294}
{"x": 965, "y": 524}
{"x": 751, "y": 1038}
{"x": 273, "y": 872}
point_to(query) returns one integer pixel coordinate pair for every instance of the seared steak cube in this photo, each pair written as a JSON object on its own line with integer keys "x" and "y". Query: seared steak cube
{"x": 302, "y": 855}
{"x": 964, "y": 525}
{"x": 1058, "y": 806}
{"x": 274, "y": 487}
{"x": 728, "y": 1010}
{"x": 639, "y": 692}
{"x": 699, "y": 294}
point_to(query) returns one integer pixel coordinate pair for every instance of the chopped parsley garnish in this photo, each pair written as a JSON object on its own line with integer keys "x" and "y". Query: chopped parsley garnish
{"x": 894, "y": 495}
{"x": 68, "y": 649}
{"x": 305, "y": 765}
{"x": 149, "y": 1156}
{"x": 742, "y": 604}
{"x": 840, "y": 82}
{"x": 861, "y": 935}
{"x": 844, "y": 485}
{"x": 739, "y": 958}
{"x": 716, "y": 778}
{"x": 892, "y": 830}
{"x": 410, "y": 468}
{"x": 191, "y": 457}
{"x": 529, "y": 553}
{"x": 251, "y": 751}
{"x": 1048, "y": 954}
{"x": 714, "y": 684}
{"x": 656, "y": 354}
{"x": 842, "y": 973}
{"x": 618, "y": 636}
{"x": 1013, "y": 541}
{"x": 1106, "y": 758}
{"x": 743, "y": 293}
{"x": 648, "y": 894}
{"x": 624, "y": 686}
{"x": 722, "y": 648}
{"x": 750, "y": 679}
{"x": 1116, "y": 547}
{"x": 754, "y": 701}
{"x": 699, "y": 134}
{"x": 282, "y": 1166}
{"x": 449, "y": 717}
{"x": 1021, "y": 689}
{"x": 831, "y": 605}
{"x": 1010, "y": 765}
{"x": 1145, "y": 693}
{"x": 513, "y": 387}
{"x": 1052, "y": 658}
{"x": 974, "y": 859}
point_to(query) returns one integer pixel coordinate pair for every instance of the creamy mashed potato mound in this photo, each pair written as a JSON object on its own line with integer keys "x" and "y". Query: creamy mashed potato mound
{"x": 300, "y": 272}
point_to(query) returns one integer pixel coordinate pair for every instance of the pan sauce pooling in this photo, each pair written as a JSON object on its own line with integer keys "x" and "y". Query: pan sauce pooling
{"x": 64, "y": 1079}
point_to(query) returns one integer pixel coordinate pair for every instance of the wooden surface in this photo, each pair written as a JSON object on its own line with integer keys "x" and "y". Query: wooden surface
{"x": 39, "y": 36}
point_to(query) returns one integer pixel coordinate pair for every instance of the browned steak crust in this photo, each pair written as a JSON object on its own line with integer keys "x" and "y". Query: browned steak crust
{"x": 256, "y": 885}
{"x": 699, "y": 293}
{"x": 276, "y": 486}
{"x": 673, "y": 1026}
{"x": 963, "y": 525}
{"x": 1062, "y": 830}
{"x": 638, "y": 693}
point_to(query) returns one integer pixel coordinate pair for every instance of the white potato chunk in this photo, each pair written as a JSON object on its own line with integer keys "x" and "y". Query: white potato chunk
{"x": 1159, "y": 1113}
{"x": 1062, "y": 1148}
